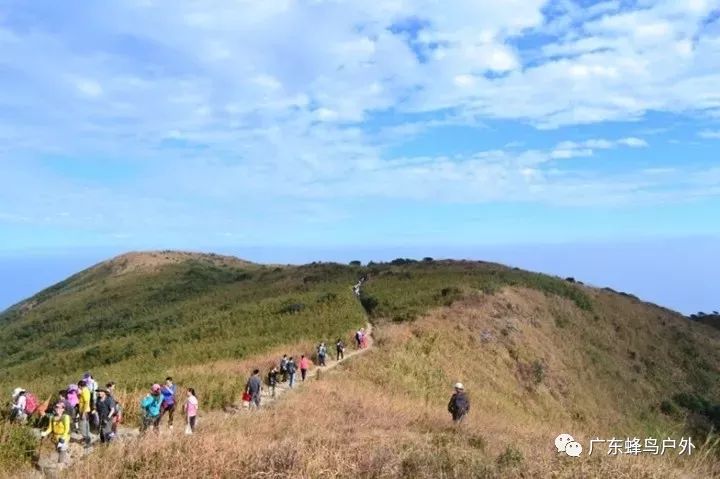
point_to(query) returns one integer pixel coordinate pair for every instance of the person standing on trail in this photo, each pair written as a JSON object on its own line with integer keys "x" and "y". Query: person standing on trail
{"x": 150, "y": 406}
{"x": 19, "y": 403}
{"x": 190, "y": 408}
{"x": 105, "y": 407}
{"x": 59, "y": 427}
{"x": 304, "y": 366}
{"x": 322, "y": 353}
{"x": 85, "y": 408}
{"x": 63, "y": 398}
{"x": 459, "y": 404}
{"x": 272, "y": 379}
{"x": 283, "y": 367}
{"x": 363, "y": 338}
{"x": 358, "y": 338}
{"x": 253, "y": 387}
{"x": 117, "y": 417}
{"x": 168, "y": 403}
{"x": 340, "y": 349}
{"x": 73, "y": 397}
{"x": 92, "y": 385}
{"x": 291, "y": 368}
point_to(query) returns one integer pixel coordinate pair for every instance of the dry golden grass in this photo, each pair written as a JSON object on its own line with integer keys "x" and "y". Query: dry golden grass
{"x": 383, "y": 415}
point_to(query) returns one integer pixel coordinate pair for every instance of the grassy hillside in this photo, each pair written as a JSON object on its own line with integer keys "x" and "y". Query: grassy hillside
{"x": 535, "y": 364}
{"x": 539, "y": 356}
{"x": 135, "y": 319}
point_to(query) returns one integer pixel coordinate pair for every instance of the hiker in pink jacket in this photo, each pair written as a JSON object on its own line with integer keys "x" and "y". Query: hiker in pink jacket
{"x": 304, "y": 366}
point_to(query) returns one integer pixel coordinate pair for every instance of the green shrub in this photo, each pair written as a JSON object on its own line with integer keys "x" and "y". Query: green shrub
{"x": 17, "y": 446}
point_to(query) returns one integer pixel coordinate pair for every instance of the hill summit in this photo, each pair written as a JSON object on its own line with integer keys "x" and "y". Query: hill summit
{"x": 539, "y": 356}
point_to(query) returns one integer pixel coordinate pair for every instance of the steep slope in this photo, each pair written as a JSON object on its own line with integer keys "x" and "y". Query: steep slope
{"x": 537, "y": 361}
{"x": 539, "y": 356}
{"x": 134, "y": 321}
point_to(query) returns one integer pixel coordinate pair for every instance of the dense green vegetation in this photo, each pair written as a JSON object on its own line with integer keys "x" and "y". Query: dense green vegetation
{"x": 135, "y": 326}
{"x": 403, "y": 289}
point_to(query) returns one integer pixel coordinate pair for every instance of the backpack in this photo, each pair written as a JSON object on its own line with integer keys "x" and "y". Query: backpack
{"x": 31, "y": 403}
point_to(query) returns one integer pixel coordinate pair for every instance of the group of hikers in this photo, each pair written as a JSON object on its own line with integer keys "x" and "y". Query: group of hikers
{"x": 85, "y": 407}
{"x": 288, "y": 368}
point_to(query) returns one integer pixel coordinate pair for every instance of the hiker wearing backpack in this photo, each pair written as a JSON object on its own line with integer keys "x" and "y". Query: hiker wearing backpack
{"x": 92, "y": 385}
{"x": 340, "y": 349}
{"x": 363, "y": 338}
{"x": 272, "y": 379}
{"x": 59, "y": 427}
{"x": 73, "y": 397}
{"x": 105, "y": 407}
{"x": 283, "y": 367}
{"x": 117, "y": 417}
{"x": 358, "y": 338}
{"x": 190, "y": 408}
{"x": 85, "y": 409}
{"x": 63, "y": 398}
{"x": 304, "y": 366}
{"x": 253, "y": 387}
{"x": 322, "y": 353}
{"x": 291, "y": 368}
{"x": 459, "y": 404}
{"x": 168, "y": 404}
{"x": 19, "y": 405}
{"x": 150, "y": 406}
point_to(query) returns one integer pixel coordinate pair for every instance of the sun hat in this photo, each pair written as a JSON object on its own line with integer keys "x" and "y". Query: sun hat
{"x": 459, "y": 386}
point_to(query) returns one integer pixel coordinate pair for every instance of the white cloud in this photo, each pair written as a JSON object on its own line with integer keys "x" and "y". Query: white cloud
{"x": 633, "y": 142}
{"x": 710, "y": 134}
{"x": 282, "y": 105}
{"x": 87, "y": 87}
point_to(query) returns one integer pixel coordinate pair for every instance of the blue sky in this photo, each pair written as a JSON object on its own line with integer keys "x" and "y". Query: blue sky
{"x": 329, "y": 125}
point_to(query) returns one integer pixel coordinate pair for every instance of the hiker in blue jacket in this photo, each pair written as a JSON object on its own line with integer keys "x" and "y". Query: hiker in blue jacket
{"x": 150, "y": 406}
{"x": 168, "y": 403}
{"x": 459, "y": 404}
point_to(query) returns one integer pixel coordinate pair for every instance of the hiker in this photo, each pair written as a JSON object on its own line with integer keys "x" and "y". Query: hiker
{"x": 150, "y": 406}
{"x": 92, "y": 386}
{"x": 322, "y": 352}
{"x": 74, "y": 400}
{"x": 63, "y": 398}
{"x": 59, "y": 427}
{"x": 190, "y": 408}
{"x": 117, "y": 417}
{"x": 105, "y": 407}
{"x": 253, "y": 386}
{"x": 290, "y": 368}
{"x": 340, "y": 349}
{"x": 283, "y": 367}
{"x": 85, "y": 410}
{"x": 358, "y": 338}
{"x": 304, "y": 366}
{"x": 19, "y": 404}
{"x": 272, "y": 379}
{"x": 459, "y": 404}
{"x": 168, "y": 403}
